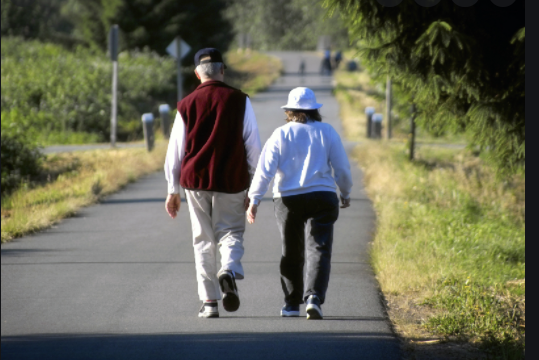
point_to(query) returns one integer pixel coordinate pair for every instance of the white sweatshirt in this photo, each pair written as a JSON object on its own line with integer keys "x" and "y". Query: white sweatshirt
{"x": 301, "y": 158}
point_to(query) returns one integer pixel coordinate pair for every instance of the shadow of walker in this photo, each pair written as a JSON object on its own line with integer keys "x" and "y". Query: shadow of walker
{"x": 222, "y": 346}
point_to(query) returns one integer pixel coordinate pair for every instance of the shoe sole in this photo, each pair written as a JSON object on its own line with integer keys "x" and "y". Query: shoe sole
{"x": 289, "y": 313}
{"x": 231, "y": 301}
{"x": 207, "y": 316}
{"x": 313, "y": 313}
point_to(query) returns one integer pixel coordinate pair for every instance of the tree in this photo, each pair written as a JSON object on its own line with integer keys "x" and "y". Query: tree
{"x": 37, "y": 19}
{"x": 285, "y": 24}
{"x": 464, "y": 68}
{"x": 152, "y": 23}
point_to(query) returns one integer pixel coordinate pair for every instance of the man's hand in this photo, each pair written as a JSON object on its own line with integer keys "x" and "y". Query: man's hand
{"x": 251, "y": 213}
{"x": 345, "y": 203}
{"x": 172, "y": 205}
{"x": 246, "y": 202}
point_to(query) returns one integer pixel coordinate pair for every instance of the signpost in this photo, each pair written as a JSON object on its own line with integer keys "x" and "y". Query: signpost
{"x": 113, "y": 50}
{"x": 178, "y": 49}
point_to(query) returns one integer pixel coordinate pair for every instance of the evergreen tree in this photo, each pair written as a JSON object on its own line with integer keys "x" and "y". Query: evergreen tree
{"x": 153, "y": 23}
{"x": 285, "y": 24}
{"x": 464, "y": 67}
{"x": 37, "y": 19}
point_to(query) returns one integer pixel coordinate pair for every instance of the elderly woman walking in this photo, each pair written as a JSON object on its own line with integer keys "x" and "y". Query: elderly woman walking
{"x": 301, "y": 155}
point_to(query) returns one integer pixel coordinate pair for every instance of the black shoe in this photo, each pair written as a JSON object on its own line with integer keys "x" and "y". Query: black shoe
{"x": 313, "y": 309}
{"x": 208, "y": 310}
{"x": 290, "y": 310}
{"x": 231, "y": 300}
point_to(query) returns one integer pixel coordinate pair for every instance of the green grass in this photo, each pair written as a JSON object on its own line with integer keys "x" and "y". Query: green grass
{"x": 449, "y": 250}
{"x": 73, "y": 180}
{"x": 451, "y": 237}
{"x": 251, "y": 71}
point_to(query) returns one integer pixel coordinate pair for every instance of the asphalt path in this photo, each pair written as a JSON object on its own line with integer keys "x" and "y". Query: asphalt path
{"x": 117, "y": 281}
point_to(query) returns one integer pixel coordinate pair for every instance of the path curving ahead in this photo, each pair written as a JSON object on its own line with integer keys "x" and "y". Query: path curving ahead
{"x": 117, "y": 281}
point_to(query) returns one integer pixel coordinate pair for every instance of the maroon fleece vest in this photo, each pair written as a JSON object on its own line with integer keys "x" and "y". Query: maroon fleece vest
{"x": 215, "y": 157}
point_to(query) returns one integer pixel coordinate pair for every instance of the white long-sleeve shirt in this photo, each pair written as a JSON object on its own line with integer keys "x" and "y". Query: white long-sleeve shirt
{"x": 301, "y": 158}
{"x": 176, "y": 147}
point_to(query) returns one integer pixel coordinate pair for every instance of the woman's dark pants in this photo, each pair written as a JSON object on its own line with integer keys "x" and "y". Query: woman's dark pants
{"x": 312, "y": 214}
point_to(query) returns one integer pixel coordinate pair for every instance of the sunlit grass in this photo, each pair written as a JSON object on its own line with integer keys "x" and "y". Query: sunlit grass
{"x": 251, "y": 71}
{"x": 449, "y": 250}
{"x": 450, "y": 239}
{"x": 75, "y": 180}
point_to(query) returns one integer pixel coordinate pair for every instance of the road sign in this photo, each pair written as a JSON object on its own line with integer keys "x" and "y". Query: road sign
{"x": 113, "y": 43}
{"x": 178, "y": 46}
{"x": 172, "y": 49}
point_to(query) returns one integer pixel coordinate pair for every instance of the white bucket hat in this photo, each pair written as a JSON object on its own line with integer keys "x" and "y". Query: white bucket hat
{"x": 301, "y": 98}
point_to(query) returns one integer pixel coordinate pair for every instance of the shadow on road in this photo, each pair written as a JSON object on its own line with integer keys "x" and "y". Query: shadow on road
{"x": 245, "y": 346}
{"x": 131, "y": 201}
{"x": 23, "y": 252}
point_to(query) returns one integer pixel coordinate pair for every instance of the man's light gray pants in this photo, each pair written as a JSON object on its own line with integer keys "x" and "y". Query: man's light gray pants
{"x": 217, "y": 220}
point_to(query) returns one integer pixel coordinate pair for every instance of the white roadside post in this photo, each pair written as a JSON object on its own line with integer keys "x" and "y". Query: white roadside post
{"x": 147, "y": 127}
{"x": 164, "y": 111}
{"x": 113, "y": 50}
{"x": 369, "y": 111}
{"x": 377, "y": 126}
{"x": 178, "y": 49}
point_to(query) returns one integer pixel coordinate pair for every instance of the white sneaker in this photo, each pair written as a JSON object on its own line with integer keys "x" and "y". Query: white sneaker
{"x": 208, "y": 310}
{"x": 313, "y": 309}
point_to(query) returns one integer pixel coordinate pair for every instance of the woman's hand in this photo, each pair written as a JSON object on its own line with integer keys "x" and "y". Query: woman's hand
{"x": 251, "y": 213}
{"x": 345, "y": 202}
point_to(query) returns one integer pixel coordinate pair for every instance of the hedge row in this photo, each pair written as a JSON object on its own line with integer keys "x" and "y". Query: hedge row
{"x": 48, "y": 91}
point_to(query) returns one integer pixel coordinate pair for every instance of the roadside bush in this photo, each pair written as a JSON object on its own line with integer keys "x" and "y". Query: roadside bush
{"x": 21, "y": 162}
{"x": 48, "y": 90}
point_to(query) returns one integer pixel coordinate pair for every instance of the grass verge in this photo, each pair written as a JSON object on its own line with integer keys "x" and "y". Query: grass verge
{"x": 251, "y": 71}
{"x": 74, "y": 180}
{"x": 449, "y": 251}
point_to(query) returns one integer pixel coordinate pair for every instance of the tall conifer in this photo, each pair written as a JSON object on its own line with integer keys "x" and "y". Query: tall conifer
{"x": 463, "y": 66}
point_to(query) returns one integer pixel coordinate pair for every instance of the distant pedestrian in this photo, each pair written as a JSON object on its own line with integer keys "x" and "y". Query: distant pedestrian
{"x": 302, "y": 67}
{"x": 325, "y": 66}
{"x": 212, "y": 153}
{"x": 337, "y": 59}
{"x": 302, "y": 155}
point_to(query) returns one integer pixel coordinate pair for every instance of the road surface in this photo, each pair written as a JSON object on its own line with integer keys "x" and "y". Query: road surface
{"x": 117, "y": 281}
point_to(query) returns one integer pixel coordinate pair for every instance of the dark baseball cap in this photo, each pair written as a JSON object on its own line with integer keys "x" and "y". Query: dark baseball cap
{"x": 214, "y": 54}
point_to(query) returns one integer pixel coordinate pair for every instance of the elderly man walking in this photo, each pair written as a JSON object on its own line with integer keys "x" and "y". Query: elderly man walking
{"x": 213, "y": 152}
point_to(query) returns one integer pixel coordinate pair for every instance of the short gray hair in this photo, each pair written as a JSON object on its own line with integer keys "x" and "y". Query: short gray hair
{"x": 209, "y": 69}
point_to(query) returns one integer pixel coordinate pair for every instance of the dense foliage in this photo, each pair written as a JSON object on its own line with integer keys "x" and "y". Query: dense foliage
{"x": 21, "y": 162}
{"x": 49, "y": 93}
{"x": 285, "y": 24}
{"x": 38, "y": 19}
{"x": 463, "y": 67}
{"x": 153, "y": 23}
